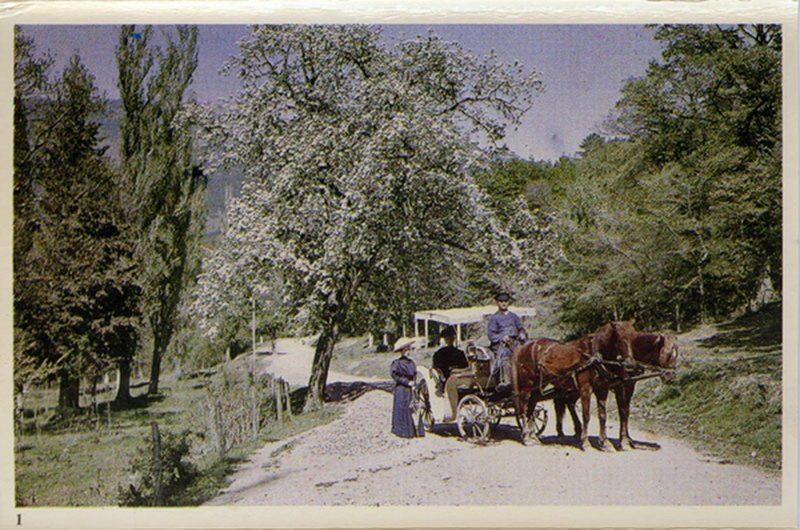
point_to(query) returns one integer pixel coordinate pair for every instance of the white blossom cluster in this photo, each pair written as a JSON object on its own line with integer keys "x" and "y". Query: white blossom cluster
{"x": 359, "y": 200}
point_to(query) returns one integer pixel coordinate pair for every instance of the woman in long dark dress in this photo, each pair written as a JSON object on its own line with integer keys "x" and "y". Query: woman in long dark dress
{"x": 403, "y": 372}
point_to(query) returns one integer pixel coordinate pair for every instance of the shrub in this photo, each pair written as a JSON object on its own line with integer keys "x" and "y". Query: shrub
{"x": 159, "y": 481}
{"x": 238, "y": 406}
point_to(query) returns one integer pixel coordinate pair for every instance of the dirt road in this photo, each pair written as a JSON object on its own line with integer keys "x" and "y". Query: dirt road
{"x": 356, "y": 461}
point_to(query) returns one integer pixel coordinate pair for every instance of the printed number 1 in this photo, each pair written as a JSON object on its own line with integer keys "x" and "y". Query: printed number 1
{"x": 19, "y": 519}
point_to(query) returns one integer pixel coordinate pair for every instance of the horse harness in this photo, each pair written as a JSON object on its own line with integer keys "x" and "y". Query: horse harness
{"x": 591, "y": 359}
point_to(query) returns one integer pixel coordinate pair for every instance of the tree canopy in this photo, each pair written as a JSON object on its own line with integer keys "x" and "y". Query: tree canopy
{"x": 675, "y": 216}
{"x": 75, "y": 298}
{"x": 359, "y": 158}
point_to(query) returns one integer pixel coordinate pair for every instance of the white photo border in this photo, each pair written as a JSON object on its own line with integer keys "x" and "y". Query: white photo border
{"x": 413, "y": 11}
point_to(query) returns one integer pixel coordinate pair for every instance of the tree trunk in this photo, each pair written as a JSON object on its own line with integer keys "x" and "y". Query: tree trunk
{"x": 123, "y": 382}
{"x": 68, "y": 392}
{"x": 319, "y": 369}
{"x": 155, "y": 367}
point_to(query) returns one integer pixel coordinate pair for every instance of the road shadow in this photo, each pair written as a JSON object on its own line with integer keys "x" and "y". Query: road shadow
{"x": 340, "y": 392}
{"x": 757, "y": 331}
{"x": 507, "y": 432}
{"x": 234, "y": 492}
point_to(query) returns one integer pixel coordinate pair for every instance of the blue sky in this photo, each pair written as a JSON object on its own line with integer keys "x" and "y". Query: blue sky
{"x": 583, "y": 68}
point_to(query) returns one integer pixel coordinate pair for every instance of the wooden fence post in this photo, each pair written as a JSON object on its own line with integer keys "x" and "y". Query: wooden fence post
{"x": 256, "y": 413}
{"x": 278, "y": 390}
{"x": 157, "y": 495}
{"x": 288, "y": 397}
{"x": 220, "y": 429}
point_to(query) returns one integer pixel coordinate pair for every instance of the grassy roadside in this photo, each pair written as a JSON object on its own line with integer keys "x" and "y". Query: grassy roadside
{"x": 85, "y": 461}
{"x": 727, "y": 399}
{"x": 354, "y": 356}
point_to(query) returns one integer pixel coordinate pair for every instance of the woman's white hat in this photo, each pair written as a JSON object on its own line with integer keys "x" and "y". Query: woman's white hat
{"x": 403, "y": 343}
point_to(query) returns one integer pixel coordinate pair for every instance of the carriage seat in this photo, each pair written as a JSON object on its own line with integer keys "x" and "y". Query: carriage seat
{"x": 480, "y": 361}
{"x": 481, "y": 373}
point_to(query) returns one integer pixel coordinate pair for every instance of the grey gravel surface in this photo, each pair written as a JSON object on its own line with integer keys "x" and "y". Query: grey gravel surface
{"x": 357, "y": 461}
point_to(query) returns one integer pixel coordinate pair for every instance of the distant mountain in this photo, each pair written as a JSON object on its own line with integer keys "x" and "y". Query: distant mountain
{"x": 221, "y": 184}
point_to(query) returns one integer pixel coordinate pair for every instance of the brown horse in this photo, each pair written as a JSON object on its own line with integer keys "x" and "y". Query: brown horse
{"x": 542, "y": 362}
{"x": 572, "y": 369}
{"x": 660, "y": 351}
{"x": 650, "y": 349}
{"x": 611, "y": 342}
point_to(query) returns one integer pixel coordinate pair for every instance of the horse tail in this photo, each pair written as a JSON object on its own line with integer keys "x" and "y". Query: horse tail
{"x": 516, "y": 359}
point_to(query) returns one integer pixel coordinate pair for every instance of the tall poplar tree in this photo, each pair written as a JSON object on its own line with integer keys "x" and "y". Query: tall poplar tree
{"x": 165, "y": 189}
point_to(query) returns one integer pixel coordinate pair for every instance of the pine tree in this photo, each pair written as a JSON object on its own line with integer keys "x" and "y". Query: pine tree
{"x": 76, "y": 305}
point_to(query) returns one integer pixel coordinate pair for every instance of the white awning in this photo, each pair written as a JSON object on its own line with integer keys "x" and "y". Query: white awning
{"x": 468, "y": 315}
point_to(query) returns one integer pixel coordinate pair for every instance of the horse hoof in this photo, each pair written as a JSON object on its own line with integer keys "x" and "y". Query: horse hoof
{"x": 530, "y": 439}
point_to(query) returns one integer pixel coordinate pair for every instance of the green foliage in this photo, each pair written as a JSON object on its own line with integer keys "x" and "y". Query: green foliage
{"x": 159, "y": 481}
{"x": 678, "y": 219}
{"x": 166, "y": 191}
{"x": 76, "y": 300}
{"x": 508, "y": 180}
{"x": 521, "y": 194}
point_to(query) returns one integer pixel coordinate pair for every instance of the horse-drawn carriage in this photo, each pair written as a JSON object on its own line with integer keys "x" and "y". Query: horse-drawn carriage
{"x": 482, "y": 404}
{"x": 613, "y": 358}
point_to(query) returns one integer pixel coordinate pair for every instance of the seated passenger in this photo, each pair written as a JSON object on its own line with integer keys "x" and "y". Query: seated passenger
{"x": 453, "y": 364}
{"x": 448, "y": 357}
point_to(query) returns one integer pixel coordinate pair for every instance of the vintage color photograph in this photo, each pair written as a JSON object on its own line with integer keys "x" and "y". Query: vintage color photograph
{"x": 398, "y": 265}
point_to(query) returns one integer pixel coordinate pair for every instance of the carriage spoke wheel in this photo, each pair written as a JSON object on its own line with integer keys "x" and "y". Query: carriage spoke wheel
{"x": 425, "y": 412}
{"x": 473, "y": 419}
{"x": 536, "y": 421}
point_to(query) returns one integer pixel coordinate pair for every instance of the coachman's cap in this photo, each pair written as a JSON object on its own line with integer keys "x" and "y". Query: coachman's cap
{"x": 502, "y": 297}
{"x": 449, "y": 331}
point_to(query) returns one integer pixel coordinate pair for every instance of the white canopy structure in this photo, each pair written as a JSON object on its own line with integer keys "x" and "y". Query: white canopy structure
{"x": 462, "y": 315}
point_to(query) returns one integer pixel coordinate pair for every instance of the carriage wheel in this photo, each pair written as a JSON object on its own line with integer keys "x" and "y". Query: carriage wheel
{"x": 473, "y": 419}
{"x": 537, "y": 420}
{"x": 425, "y": 411}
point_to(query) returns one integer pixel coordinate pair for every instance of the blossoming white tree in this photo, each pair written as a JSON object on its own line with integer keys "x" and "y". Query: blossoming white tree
{"x": 359, "y": 159}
